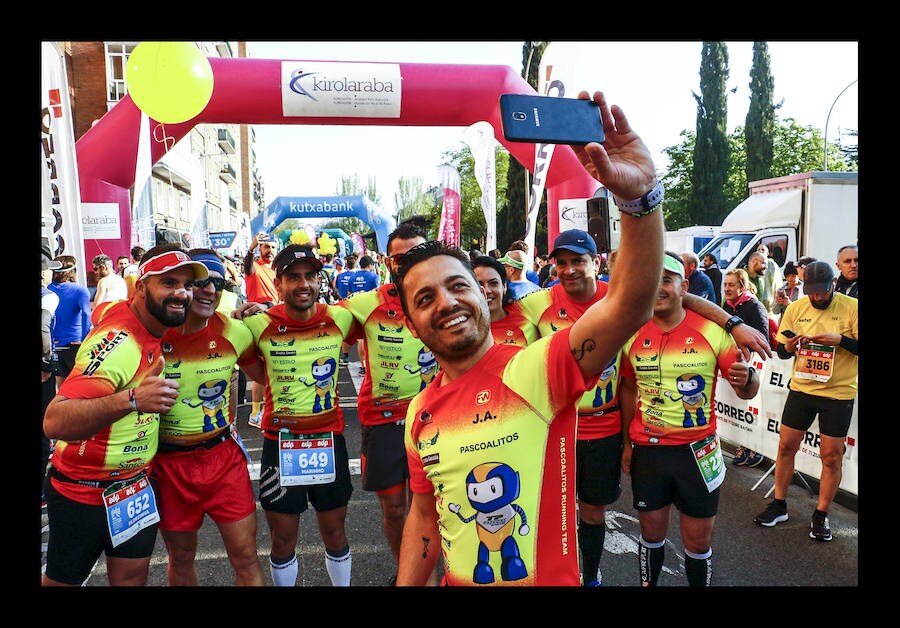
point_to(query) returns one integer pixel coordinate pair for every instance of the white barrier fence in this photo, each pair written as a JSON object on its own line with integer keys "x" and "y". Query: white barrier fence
{"x": 754, "y": 423}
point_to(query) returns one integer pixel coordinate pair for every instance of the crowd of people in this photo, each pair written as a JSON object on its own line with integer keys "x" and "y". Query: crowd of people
{"x": 142, "y": 421}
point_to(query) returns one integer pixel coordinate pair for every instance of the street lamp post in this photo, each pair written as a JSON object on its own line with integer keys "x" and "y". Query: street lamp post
{"x": 827, "y": 118}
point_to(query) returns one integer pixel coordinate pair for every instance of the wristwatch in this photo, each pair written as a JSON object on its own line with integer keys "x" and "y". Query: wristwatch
{"x": 732, "y": 322}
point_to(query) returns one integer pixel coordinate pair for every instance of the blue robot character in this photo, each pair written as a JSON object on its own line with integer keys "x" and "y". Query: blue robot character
{"x": 428, "y": 367}
{"x": 605, "y": 391}
{"x": 323, "y": 371}
{"x": 212, "y": 400}
{"x": 492, "y": 488}
{"x": 691, "y": 387}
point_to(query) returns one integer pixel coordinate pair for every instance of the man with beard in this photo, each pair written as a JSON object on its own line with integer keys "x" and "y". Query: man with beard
{"x": 304, "y": 456}
{"x": 259, "y": 285}
{"x": 105, "y": 419}
{"x": 490, "y": 442}
{"x": 821, "y": 332}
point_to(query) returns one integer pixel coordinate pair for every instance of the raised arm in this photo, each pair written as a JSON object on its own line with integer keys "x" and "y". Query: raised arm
{"x": 624, "y": 166}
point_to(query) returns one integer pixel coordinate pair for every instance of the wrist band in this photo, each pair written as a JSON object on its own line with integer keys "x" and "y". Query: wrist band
{"x": 132, "y": 400}
{"x": 644, "y": 205}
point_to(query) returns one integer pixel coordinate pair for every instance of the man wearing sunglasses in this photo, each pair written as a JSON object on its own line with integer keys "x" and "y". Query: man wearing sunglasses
{"x": 201, "y": 464}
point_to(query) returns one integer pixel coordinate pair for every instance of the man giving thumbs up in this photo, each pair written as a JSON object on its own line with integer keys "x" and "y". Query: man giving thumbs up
{"x": 105, "y": 419}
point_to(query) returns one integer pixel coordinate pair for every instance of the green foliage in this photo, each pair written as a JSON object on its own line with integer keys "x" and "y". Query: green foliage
{"x": 760, "y": 121}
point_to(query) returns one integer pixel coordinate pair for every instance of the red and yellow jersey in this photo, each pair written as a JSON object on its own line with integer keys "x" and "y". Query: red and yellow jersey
{"x": 101, "y": 310}
{"x": 116, "y": 355}
{"x": 398, "y": 365}
{"x": 823, "y": 370}
{"x": 675, "y": 372}
{"x": 202, "y": 363}
{"x": 550, "y": 310}
{"x": 496, "y": 447}
{"x": 302, "y": 368}
{"x": 514, "y": 329}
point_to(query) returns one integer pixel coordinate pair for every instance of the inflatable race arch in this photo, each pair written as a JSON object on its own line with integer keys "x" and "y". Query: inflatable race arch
{"x": 275, "y": 91}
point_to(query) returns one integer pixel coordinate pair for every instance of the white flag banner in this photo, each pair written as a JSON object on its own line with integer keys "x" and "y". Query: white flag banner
{"x": 480, "y": 138}
{"x": 60, "y": 191}
{"x": 143, "y": 232}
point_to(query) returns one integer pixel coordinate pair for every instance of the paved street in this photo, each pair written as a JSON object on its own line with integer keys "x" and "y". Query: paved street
{"x": 745, "y": 555}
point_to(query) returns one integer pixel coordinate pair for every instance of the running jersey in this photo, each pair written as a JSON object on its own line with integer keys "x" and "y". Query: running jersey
{"x": 116, "y": 355}
{"x": 496, "y": 447}
{"x": 398, "y": 365}
{"x": 675, "y": 372}
{"x": 100, "y": 311}
{"x": 260, "y": 284}
{"x": 202, "y": 363}
{"x": 823, "y": 371}
{"x": 302, "y": 368}
{"x": 550, "y": 310}
{"x": 514, "y": 329}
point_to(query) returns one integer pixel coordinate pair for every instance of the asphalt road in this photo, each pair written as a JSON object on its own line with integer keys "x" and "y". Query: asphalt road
{"x": 744, "y": 554}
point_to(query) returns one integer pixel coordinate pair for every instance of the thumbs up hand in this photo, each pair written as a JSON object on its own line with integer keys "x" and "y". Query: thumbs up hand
{"x": 156, "y": 393}
{"x": 739, "y": 372}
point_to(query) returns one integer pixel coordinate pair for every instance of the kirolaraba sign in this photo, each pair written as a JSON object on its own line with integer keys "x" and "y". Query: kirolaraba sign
{"x": 356, "y": 90}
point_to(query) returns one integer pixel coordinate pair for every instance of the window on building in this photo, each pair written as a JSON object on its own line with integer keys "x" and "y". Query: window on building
{"x": 117, "y": 54}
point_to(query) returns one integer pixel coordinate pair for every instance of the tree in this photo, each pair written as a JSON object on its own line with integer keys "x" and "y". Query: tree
{"x": 796, "y": 149}
{"x": 412, "y": 199}
{"x": 511, "y": 215}
{"x": 711, "y": 156}
{"x": 759, "y": 124}
{"x": 472, "y": 222}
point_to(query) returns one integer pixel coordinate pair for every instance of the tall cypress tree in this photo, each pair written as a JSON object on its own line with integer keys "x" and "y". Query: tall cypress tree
{"x": 759, "y": 126}
{"x": 711, "y": 152}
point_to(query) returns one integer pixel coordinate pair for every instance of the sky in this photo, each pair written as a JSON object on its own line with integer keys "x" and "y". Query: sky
{"x": 652, "y": 81}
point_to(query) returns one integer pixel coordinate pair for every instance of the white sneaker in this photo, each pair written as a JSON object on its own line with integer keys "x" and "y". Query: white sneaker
{"x": 255, "y": 420}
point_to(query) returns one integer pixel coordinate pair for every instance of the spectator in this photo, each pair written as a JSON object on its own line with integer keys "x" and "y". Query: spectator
{"x": 200, "y": 467}
{"x": 698, "y": 282}
{"x": 789, "y": 292}
{"x": 848, "y": 263}
{"x": 519, "y": 286}
{"x": 712, "y": 270}
{"x": 674, "y": 423}
{"x": 826, "y": 323}
{"x": 535, "y": 390}
{"x": 130, "y": 272}
{"x": 122, "y": 263}
{"x": 508, "y": 326}
{"x": 303, "y": 410}
{"x": 740, "y": 301}
{"x": 259, "y": 283}
{"x": 105, "y": 421}
{"x": 756, "y": 272}
{"x": 73, "y": 316}
{"x": 552, "y": 277}
{"x": 530, "y": 273}
{"x": 772, "y": 277}
{"x": 473, "y": 253}
{"x": 802, "y": 263}
{"x": 543, "y": 262}
{"x": 110, "y": 286}
{"x": 495, "y": 253}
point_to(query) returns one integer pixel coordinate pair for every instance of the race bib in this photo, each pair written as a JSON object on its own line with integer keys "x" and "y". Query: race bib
{"x": 130, "y": 507}
{"x": 708, "y": 455}
{"x": 814, "y": 362}
{"x": 305, "y": 459}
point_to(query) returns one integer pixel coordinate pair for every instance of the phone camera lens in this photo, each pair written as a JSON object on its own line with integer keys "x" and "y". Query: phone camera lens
{"x": 518, "y": 115}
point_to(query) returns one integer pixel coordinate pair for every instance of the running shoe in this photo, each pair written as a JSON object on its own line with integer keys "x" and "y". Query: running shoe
{"x": 740, "y": 456}
{"x": 345, "y": 357}
{"x": 362, "y": 370}
{"x": 774, "y": 513}
{"x": 255, "y": 420}
{"x": 818, "y": 528}
{"x": 753, "y": 459}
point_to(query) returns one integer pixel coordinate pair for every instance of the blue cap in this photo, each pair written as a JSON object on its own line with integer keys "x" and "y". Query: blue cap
{"x": 574, "y": 240}
{"x": 338, "y": 261}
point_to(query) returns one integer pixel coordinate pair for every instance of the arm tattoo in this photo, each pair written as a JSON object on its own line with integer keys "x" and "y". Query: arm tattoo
{"x": 586, "y": 347}
{"x": 425, "y": 541}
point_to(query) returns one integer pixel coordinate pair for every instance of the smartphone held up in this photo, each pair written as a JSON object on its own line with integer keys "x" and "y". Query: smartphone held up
{"x": 550, "y": 120}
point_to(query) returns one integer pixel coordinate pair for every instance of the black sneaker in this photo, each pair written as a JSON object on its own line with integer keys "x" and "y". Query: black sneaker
{"x": 740, "y": 456}
{"x": 754, "y": 459}
{"x": 774, "y": 513}
{"x": 819, "y": 530}
{"x": 362, "y": 370}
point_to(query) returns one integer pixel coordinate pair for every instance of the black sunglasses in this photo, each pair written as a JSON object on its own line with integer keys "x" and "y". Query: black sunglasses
{"x": 217, "y": 282}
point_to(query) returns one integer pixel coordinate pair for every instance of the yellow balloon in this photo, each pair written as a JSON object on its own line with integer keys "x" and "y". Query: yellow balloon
{"x": 327, "y": 244}
{"x": 299, "y": 237}
{"x": 170, "y": 81}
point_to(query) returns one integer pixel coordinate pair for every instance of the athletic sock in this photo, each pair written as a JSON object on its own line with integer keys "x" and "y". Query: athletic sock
{"x": 698, "y": 568}
{"x": 338, "y": 566}
{"x": 651, "y": 556}
{"x": 255, "y": 407}
{"x": 590, "y": 538}
{"x": 284, "y": 570}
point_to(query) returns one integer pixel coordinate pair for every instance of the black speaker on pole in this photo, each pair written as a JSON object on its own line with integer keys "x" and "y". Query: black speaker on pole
{"x": 598, "y": 222}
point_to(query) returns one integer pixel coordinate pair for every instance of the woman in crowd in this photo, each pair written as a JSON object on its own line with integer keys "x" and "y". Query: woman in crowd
{"x": 508, "y": 326}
